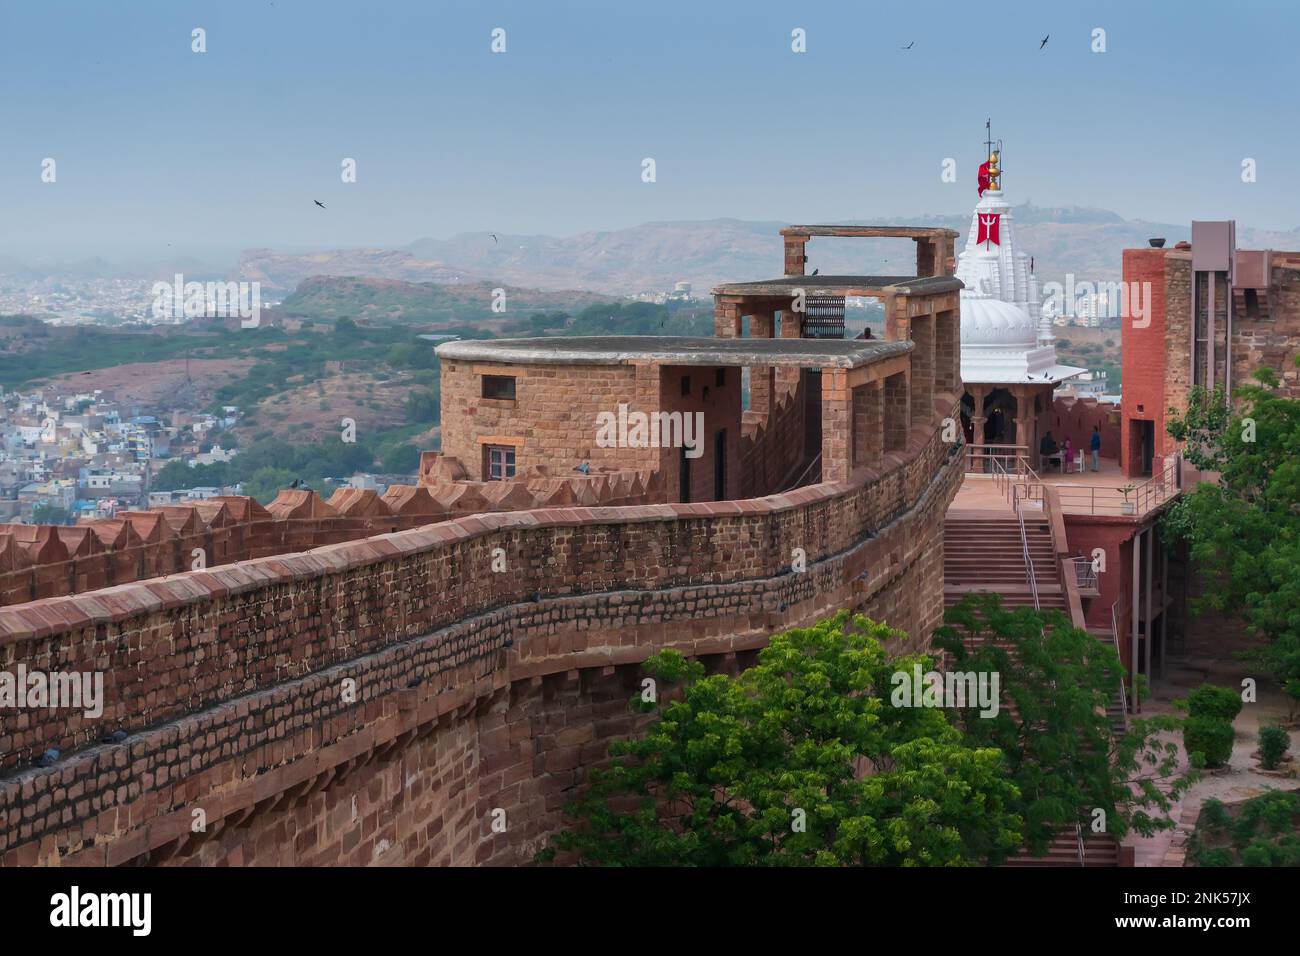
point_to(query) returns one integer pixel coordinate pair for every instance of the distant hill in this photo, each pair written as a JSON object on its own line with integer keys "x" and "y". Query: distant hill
{"x": 656, "y": 255}
{"x": 283, "y": 272}
{"x": 390, "y": 300}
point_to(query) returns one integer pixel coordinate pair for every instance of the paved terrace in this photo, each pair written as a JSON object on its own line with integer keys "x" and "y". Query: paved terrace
{"x": 1089, "y": 493}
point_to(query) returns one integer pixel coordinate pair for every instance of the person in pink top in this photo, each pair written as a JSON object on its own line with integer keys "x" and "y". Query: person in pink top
{"x": 1067, "y": 456}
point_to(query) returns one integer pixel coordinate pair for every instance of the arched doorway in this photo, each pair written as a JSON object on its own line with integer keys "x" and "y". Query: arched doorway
{"x": 1000, "y": 412}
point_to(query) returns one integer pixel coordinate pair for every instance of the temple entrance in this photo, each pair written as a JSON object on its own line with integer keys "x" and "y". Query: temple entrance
{"x": 1000, "y": 411}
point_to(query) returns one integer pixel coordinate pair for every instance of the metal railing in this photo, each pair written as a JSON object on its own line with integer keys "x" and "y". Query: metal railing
{"x": 1084, "y": 573}
{"x": 1078, "y": 838}
{"x": 798, "y": 482}
{"x": 1114, "y": 637}
{"x": 1022, "y": 483}
{"x": 1088, "y": 499}
{"x": 1024, "y": 547}
{"x": 979, "y": 457}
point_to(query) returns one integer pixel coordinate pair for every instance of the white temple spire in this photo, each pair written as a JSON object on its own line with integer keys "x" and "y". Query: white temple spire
{"x": 1004, "y": 335}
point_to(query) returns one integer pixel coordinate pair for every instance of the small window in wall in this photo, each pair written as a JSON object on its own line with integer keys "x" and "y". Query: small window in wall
{"x": 498, "y": 462}
{"x": 499, "y": 386}
{"x": 1252, "y": 303}
{"x": 686, "y": 385}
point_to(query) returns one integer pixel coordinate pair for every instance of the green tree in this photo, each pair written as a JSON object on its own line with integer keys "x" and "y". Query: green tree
{"x": 1061, "y": 751}
{"x": 346, "y": 330}
{"x": 403, "y": 459}
{"x": 1243, "y": 530}
{"x": 265, "y": 483}
{"x": 768, "y": 768}
{"x": 423, "y": 406}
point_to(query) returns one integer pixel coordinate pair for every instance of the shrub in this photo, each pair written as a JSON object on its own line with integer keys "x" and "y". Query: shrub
{"x": 1210, "y": 737}
{"x": 1213, "y": 814}
{"x": 1207, "y": 700}
{"x": 1273, "y": 744}
{"x": 1257, "y": 854}
{"x": 1218, "y": 857}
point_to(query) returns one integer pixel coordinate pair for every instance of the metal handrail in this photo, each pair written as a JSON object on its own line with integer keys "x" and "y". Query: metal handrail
{"x": 1084, "y": 573}
{"x": 1114, "y": 636}
{"x": 1024, "y": 547}
{"x": 1078, "y": 836}
{"x": 979, "y": 452}
{"x": 798, "y": 482}
{"x": 1143, "y": 498}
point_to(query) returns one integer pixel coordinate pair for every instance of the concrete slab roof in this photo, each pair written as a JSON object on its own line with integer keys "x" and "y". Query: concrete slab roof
{"x": 843, "y": 285}
{"x": 674, "y": 350}
{"x": 872, "y": 232}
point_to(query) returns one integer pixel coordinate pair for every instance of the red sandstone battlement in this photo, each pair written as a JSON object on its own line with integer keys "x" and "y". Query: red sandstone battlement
{"x": 445, "y": 478}
{"x": 245, "y": 660}
{"x": 41, "y": 561}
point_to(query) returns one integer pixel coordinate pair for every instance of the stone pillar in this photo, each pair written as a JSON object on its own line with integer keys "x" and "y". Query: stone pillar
{"x": 786, "y": 379}
{"x": 897, "y": 412}
{"x": 795, "y": 255}
{"x": 896, "y": 319}
{"x": 836, "y": 431}
{"x": 727, "y": 316}
{"x": 762, "y": 380}
{"x": 1026, "y": 422}
{"x": 979, "y": 395}
{"x": 922, "y": 360}
{"x": 947, "y": 351}
{"x": 868, "y": 424}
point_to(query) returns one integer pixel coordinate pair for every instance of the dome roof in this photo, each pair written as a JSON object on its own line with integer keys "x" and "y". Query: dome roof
{"x": 989, "y": 321}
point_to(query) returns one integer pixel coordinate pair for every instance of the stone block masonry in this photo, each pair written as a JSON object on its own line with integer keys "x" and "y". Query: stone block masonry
{"x": 474, "y": 691}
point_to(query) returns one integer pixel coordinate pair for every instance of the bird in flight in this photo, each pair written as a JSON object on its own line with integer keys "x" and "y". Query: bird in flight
{"x": 494, "y": 237}
{"x": 909, "y": 46}
{"x": 1044, "y": 43}
{"x": 815, "y": 271}
{"x": 319, "y": 203}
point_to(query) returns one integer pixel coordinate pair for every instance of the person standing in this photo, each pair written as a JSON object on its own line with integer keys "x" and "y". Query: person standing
{"x": 1067, "y": 457}
{"x": 1094, "y": 445}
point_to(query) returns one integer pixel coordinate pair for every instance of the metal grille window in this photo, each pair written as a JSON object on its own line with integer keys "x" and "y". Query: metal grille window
{"x": 500, "y": 462}
{"x": 824, "y": 318}
{"x": 499, "y": 386}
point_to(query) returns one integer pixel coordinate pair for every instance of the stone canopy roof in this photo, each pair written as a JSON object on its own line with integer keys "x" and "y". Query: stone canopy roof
{"x": 842, "y": 285}
{"x": 675, "y": 350}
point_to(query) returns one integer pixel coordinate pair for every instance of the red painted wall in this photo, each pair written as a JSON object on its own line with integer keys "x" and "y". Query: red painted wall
{"x": 1143, "y": 361}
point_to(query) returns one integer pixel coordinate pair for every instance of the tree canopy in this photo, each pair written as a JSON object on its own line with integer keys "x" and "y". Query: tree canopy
{"x": 1243, "y": 530}
{"x": 809, "y": 757}
{"x": 763, "y": 769}
{"x": 1063, "y": 754}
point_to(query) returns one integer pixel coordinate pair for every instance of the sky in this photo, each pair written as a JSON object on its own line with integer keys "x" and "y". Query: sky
{"x": 161, "y": 151}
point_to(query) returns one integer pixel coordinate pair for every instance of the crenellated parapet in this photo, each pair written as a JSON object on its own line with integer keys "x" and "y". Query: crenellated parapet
{"x": 42, "y": 561}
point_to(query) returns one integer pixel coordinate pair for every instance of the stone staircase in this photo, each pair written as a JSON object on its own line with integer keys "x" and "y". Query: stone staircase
{"x": 1099, "y": 850}
{"x": 983, "y": 552}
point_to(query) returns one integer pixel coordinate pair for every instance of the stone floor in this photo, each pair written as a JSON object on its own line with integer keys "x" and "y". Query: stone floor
{"x": 1241, "y": 779}
{"x": 1089, "y": 492}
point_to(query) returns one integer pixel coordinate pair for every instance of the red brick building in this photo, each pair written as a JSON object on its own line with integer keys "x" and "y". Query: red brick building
{"x": 1213, "y": 314}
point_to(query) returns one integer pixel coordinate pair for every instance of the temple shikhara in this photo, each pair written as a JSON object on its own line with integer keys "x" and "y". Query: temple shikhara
{"x": 490, "y": 619}
{"x": 1008, "y": 360}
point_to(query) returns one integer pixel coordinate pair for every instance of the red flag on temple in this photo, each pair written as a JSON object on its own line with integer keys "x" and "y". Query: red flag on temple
{"x": 989, "y": 225}
{"x": 984, "y": 177}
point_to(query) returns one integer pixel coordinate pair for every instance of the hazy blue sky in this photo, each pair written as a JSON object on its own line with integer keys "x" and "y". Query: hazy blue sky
{"x": 225, "y": 150}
